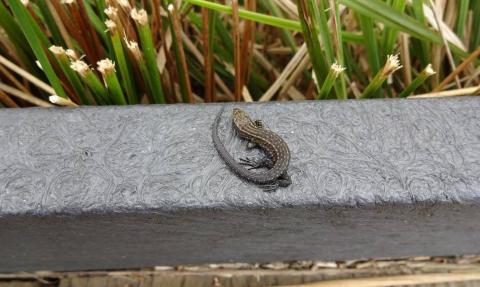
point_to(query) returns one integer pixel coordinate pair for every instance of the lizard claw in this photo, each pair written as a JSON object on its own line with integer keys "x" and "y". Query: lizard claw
{"x": 250, "y": 162}
{"x": 270, "y": 187}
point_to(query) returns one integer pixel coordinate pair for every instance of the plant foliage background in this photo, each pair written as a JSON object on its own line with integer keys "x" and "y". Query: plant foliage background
{"x": 99, "y": 52}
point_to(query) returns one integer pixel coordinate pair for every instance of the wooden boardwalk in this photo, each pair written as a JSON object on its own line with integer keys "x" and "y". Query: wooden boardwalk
{"x": 420, "y": 271}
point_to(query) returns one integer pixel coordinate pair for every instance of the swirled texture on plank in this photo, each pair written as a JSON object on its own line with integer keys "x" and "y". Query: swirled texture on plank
{"x": 115, "y": 159}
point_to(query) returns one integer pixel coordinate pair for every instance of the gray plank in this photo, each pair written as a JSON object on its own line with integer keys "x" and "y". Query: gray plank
{"x": 113, "y": 159}
{"x": 111, "y": 187}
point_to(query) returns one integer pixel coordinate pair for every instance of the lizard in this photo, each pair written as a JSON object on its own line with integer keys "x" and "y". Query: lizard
{"x": 276, "y": 150}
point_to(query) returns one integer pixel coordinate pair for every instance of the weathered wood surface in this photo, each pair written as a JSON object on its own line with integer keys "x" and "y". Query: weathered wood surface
{"x": 380, "y": 273}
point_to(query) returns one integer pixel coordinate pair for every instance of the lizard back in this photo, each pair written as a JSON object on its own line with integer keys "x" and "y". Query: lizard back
{"x": 273, "y": 145}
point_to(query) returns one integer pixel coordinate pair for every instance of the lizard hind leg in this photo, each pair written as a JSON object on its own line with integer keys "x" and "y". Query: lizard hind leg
{"x": 257, "y": 163}
{"x": 284, "y": 180}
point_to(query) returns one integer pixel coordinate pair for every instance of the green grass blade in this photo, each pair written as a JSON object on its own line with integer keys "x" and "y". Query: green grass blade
{"x": 372, "y": 49}
{"x": 150, "y": 54}
{"x": 98, "y": 25}
{"x": 324, "y": 30}
{"x": 475, "y": 41}
{"x": 352, "y": 37}
{"x": 30, "y": 30}
{"x": 333, "y": 73}
{"x": 424, "y": 75}
{"x": 92, "y": 81}
{"x": 333, "y": 55}
{"x": 16, "y": 37}
{"x": 100, "y": 7}
{"x": 309, "y": 20}
{"x": 50, "y": 23}
{"x": 249, "y": 15}
{"x": 392, "y": 64}
{"x": 341, "y": 84}
{"x": 379, "y": 11}
{"x": 462, "y": 18}
{"x": 390, "y": 34}
{"x": 352, "y": 66}
{"x": 370, "y": 42}
{"x": 289, "y": 25}
{"x": 123, "y": 65}
{"x": 424, "y": 52}
{"x": 7, "y": 22}
{"x": 107, "y": 69}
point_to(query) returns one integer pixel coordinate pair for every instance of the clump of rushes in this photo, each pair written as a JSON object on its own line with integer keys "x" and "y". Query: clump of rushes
{"x": 333, "y": 73}
{"x": 91, "y": 80}
{"x": 140, "y": 18}
{"x": 142, "y": 38}
{"x": 107, "y": 68}
{"x": 64, "y": 63}
{"x": 137, "y": 55}
{"x": 125, "y": 71}
{"x": 425, "y": 74}
{"x": 392, "y": 65}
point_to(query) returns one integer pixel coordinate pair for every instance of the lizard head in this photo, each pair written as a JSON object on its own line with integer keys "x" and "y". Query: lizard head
{"x": 240, "y": 118}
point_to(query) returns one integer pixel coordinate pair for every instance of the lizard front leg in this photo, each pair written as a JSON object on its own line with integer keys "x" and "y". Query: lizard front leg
{"x": 251, "y": 145}
{"x": 258, "y": 124}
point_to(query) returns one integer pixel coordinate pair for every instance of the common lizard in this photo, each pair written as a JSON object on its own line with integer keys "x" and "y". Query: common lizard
{"x": 277, "y": 153}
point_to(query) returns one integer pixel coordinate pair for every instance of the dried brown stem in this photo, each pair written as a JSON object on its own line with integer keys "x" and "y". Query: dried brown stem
{"x": 7, "y": 101}
{"x": 473, "y": 56}
{"x": 99, "y": 51}
{"x": 156, "y": 20}
{"x": 445, "y": 43}
{"x": 405, "y": 58}
{"x": 247, "y": 42}
{"x": 471, "y": 91}
{"x": 237, "y": 53}
{"x": 12, "y": 79}
{"x": 196, "y": 53}
{"x": 31, "y": 78}
{"x": 24, "y": 96}
{"x": 169, "y": 63}
{"x": 209, "y": 75}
